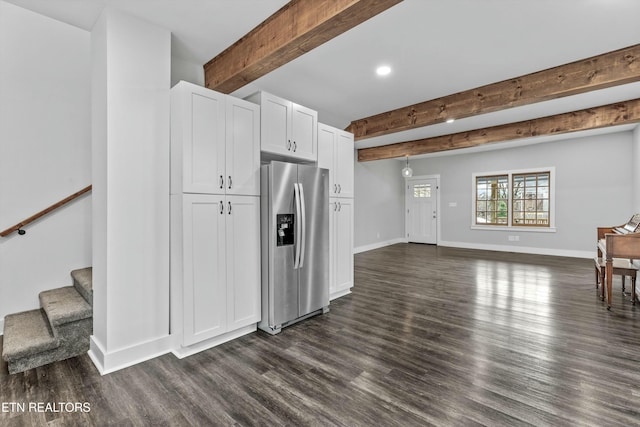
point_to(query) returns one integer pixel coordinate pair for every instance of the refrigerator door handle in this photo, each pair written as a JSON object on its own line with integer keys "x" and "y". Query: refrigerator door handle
{"x": 303, "y": 216}
{"x": 296, "y": 196}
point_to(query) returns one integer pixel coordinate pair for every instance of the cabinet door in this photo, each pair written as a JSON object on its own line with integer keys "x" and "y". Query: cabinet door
{"x": 243, "y": 148}
{"x": 243, "y": 261}
{"x": 344, "y": 156}
{"x": 304, "y": 124}
{"x": 203, "y": 161}
{"x": 333, "y": 211}
{"x": 275, "y": 117}
{"x": 326, "y": 146}
{"x": 343, "y": 233}
{"x": 205, "y": 295}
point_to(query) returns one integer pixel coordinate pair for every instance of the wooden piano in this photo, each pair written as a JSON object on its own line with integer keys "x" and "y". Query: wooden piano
{"x": 620, "y": 242}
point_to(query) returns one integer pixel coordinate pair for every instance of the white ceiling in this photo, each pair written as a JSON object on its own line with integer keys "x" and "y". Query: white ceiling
{"x": 435, "y": 47}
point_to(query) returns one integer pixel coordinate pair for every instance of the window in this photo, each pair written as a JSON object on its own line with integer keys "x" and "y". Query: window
{"x": 492, "y": 198}
{"x": 522, "y": 199}
{"x": 422, "y": 190}
{"x": 531, "y": 199}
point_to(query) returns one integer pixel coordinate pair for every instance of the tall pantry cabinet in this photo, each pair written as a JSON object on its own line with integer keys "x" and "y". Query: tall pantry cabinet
{"x": 336, "y": 153}
{"x": 215, "y": 223}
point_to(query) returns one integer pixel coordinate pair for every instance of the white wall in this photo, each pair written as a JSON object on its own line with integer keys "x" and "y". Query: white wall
{"x": 593, "y": 187}
{"x": 188, "y": 71}
{"x": 635, "y": 170}
{"x": 379, "y": 204}
{"x": 131, "y": 77}
{"x": 45, "y": 153}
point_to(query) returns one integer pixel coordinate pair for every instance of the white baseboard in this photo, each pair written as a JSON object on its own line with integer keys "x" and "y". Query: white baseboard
{"x": 339, "y": 294}
{"x": 1, "y": 326}
{"x": 182, "y": 352}
{"x": 520, "y": 249}
{"x": 123, "y": 358}
{"x": 378, "y": 245}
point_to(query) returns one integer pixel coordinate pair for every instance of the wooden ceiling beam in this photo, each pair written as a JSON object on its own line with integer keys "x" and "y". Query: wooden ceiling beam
{"x": 598, "y": 72}
{"x": 620, "y": 113}
{"x": 298, "y": 27}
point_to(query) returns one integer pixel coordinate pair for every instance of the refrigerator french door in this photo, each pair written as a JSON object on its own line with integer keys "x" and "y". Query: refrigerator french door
{"x": 295, "y": 243}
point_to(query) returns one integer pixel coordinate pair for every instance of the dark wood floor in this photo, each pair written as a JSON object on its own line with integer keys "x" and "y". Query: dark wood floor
{"x": 430, "y": 336}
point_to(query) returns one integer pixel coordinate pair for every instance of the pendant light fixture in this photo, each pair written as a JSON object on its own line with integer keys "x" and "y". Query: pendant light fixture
{"x": 407, "y": 172}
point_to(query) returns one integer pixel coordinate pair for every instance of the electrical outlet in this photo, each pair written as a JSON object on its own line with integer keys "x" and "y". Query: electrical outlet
{"x": 378, "y": 235}
{"x": 514, "y": 238}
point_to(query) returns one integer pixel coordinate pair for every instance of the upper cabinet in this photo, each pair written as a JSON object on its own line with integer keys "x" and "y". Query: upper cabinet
{"x": 288, "y": 130}
{"x": 215, "y": 142}
{"x": 242, "y": 148}
{"x": 336, "y": 153}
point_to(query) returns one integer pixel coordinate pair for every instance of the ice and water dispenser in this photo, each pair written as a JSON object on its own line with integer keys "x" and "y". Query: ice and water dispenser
{"x": 285, "y": 233}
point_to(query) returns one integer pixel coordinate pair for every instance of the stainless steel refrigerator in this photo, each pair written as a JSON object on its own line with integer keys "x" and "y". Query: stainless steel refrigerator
{"x": 294, "y": 204}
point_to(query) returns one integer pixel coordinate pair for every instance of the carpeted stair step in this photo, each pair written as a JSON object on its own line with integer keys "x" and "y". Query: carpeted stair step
{"x": 57, "y": 331}
{"x": 83, "y": 281}
{"x": 27, "y": 333}
{"x": 64, "y": 305}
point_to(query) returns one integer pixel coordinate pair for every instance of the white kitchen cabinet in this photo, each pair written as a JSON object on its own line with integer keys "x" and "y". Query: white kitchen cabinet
{"x": 288, "y": 130}
{"x": 243, "y": 261}
{"x": 242, "y": 148}
{"x": 203, "y": 266}
{"x": 215, "y": 217}
{"x": 336, "y": 153}
{"x": 340, "y": 246}
{"x": 215, "y": 264}
{"x": 197, "y": 138}
{"x": 215, "y": 142}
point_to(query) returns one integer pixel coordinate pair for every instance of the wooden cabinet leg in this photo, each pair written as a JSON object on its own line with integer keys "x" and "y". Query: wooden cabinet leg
{"x": 609, "y": 267}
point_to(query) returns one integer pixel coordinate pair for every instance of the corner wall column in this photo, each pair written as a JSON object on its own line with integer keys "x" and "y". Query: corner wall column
{"x": 130, "y": 82}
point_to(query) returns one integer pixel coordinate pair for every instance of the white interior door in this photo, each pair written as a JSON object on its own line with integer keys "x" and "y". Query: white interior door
{"x": 422, "y": 210}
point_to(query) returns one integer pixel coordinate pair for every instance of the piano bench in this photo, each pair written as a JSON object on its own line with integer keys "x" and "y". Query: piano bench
{"x": 623, "y": 267}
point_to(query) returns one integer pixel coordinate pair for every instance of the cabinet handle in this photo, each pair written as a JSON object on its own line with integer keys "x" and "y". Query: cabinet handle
{"x": 339, "y": 206}
{"x": 295, "y": 146}
{"x": 335, "y": 206}
{"x": 221, "y": 208}
{"x": 339, "y": 188}
{"x": 335, "y": 188}
{"x": 221, "y": 181}
{"x": 230, "y": 182}
{"x": 229, "y": 208}
{"x": 289, "y": 145}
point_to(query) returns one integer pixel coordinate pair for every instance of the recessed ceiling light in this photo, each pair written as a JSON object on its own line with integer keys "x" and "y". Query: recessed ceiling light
{"x": 383, "y": 70}
{"x": 451, "y": 120}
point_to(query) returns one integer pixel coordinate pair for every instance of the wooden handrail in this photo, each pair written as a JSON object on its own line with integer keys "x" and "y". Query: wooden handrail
{"x": 42, "y": 213}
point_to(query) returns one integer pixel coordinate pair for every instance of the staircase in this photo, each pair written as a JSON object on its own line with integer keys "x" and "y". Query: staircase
{"x": 60, "y": 329}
